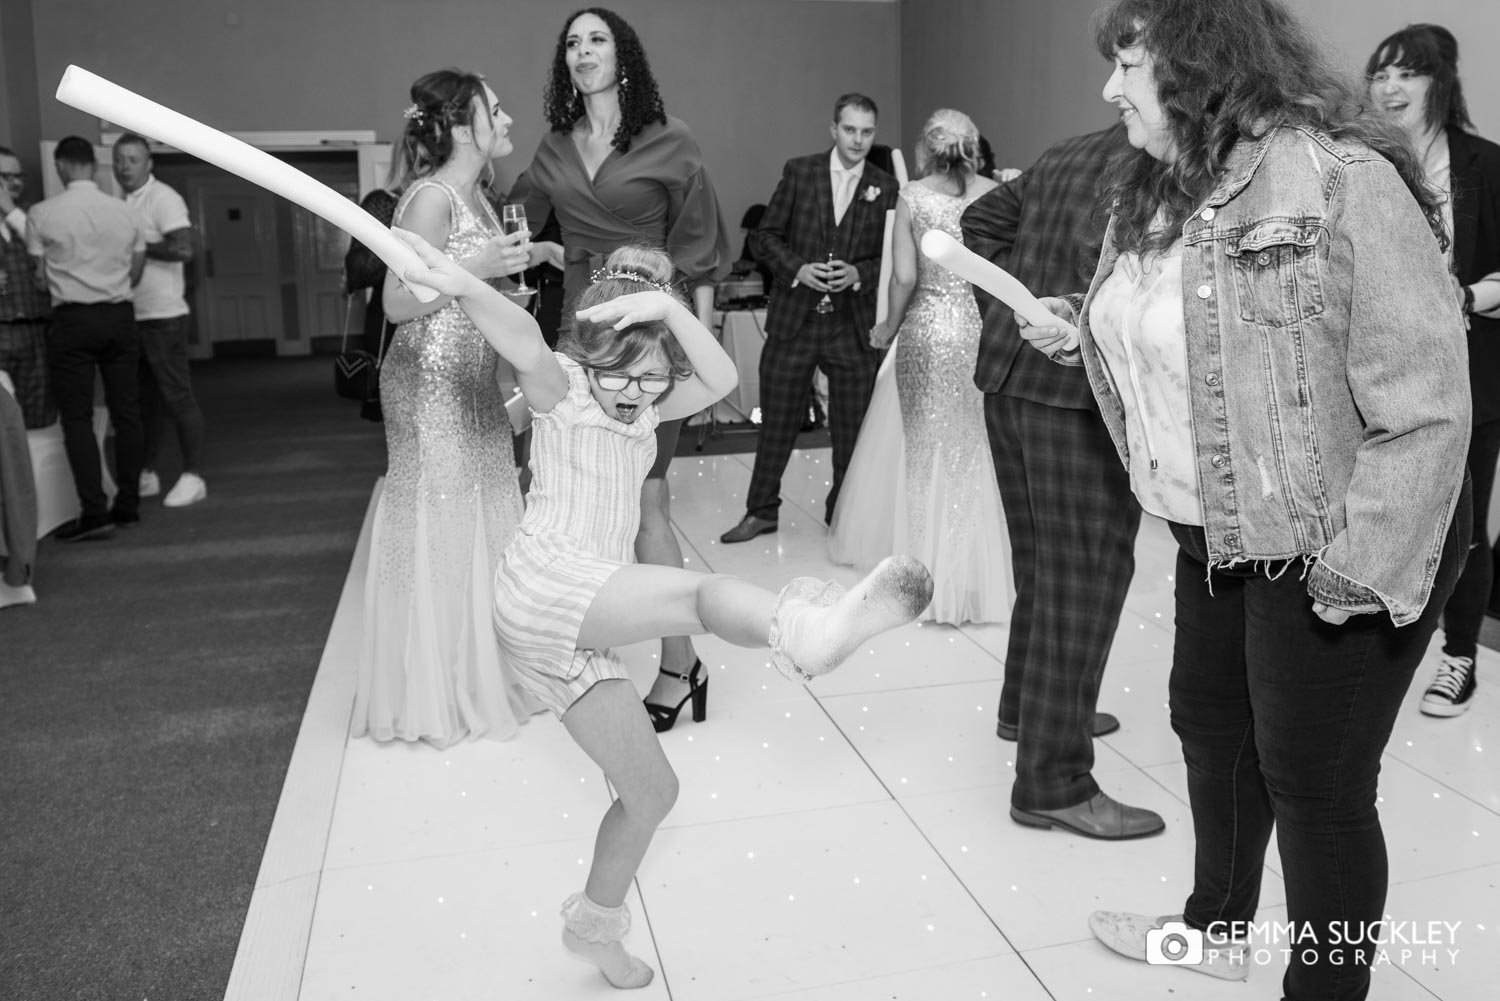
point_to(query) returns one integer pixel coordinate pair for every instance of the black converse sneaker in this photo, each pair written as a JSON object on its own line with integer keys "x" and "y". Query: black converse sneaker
{"x": 1452, "y": 688}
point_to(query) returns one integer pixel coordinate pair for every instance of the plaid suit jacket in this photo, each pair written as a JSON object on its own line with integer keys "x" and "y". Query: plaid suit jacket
{"x": 798, "y": 227}
{"x": 1046, "y": 227}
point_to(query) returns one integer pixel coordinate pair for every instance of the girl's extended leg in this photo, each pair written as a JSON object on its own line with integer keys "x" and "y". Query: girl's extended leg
{"x": 811, "y": 626}
{"x": 643, "y": 602}
{"x": 611, "y": 726}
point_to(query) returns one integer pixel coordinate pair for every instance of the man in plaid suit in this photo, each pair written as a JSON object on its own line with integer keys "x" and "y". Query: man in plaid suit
{"x": 1068, "y": 507}
{"x": 821, "y": 236}
{"x": 24, "y": 303}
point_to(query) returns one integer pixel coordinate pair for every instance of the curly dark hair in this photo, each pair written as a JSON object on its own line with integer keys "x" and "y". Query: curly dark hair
{"x": 640, "y": 101}
{"x": 1429, "y": 49}
{"x": 1228, "y": 70}
{"x": 441, "y": 101}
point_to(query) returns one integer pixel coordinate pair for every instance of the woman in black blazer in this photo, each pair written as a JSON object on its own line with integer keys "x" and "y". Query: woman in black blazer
{"x": 1413, "y": 77}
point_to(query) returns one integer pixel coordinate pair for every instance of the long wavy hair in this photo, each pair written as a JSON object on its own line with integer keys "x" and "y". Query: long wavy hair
{"x": 601, "y": 346}
{"x": 640, "y": 101}
{"x": 441, "y": 101}
{"x": 1229, "y": 70}
{"x": 949, "y": 145}
{"x": 1431, "y": 50}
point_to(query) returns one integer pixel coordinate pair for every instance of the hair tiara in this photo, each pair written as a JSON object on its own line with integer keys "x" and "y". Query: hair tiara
{"x": 630, "y": 276}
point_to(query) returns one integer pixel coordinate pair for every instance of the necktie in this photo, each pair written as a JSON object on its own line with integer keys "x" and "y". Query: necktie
{"x": 843, "y": 195}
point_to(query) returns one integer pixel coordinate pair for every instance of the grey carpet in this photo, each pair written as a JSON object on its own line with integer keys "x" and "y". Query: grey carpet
{"x": 149, "y": 702}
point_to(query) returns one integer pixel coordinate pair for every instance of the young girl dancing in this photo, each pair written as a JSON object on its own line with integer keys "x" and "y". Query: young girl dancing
{"x": 567, "y": 589}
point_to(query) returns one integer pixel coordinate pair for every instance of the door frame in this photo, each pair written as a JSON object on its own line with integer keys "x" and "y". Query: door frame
{"x": 372, "y": 163}
{"x": 373, "y": 156}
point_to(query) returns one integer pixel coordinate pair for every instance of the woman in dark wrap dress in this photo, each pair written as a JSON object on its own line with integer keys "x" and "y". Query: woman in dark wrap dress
{"x": 616, "y": 169}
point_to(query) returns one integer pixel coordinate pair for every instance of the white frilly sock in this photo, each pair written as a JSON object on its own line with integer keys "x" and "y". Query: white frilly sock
{"x": 593, "y": 932}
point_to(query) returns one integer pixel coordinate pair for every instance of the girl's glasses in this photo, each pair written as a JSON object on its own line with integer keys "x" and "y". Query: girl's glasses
{"x": 615, "y": 381}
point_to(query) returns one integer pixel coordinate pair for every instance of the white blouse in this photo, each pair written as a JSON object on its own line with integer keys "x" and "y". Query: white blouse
{"x": 1137, "y": 324}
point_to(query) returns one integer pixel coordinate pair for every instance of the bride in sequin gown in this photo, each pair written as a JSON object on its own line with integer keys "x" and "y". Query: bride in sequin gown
{"x": 431, "y": 667}
{"x": 922, "y": 469}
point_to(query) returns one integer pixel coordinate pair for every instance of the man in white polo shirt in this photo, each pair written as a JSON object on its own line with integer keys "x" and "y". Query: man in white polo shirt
{"x": 92, "y": 251}
{"x": 161, "y": 313}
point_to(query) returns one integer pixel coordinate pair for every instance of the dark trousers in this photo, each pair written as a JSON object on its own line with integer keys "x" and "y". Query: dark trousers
{"x": 830, "y": 342}
{"x": 1283, "y": 719}
{"x": 82, "y": 339}
{"x": 167, "y": 391}
{"x": 1072, "y": 522}
{"x": 1464, "y": 613}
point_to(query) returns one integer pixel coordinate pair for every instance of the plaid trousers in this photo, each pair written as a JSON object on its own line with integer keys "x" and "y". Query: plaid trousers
{"x": 1072, "y": 522}
{"x": 23, "y": 353}
{"x": 828, "y": 341}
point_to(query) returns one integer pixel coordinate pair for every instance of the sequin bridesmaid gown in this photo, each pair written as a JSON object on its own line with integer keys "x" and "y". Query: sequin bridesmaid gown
{"x": 431, "y": 667}
{"x": 922, "y": 471}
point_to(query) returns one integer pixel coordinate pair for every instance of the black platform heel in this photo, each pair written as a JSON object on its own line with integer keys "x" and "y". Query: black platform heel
{"x": 663, "y": 718}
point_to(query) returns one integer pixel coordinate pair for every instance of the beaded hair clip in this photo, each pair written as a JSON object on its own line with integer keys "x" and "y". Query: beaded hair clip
{"x": 630, "y": 276}
{"x": 414, "y": 113}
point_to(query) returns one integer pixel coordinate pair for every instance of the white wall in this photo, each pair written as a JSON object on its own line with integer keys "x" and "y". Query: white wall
{"x": 755, "y": 79}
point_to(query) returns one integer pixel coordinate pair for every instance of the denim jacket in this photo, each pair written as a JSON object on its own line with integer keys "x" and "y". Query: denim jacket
{"x": 1327, "y": 371}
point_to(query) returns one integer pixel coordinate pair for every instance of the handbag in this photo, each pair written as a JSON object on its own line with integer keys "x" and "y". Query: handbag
{"x": 356, "y": 373}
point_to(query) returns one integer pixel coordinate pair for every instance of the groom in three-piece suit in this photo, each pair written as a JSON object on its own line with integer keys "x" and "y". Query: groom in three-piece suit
{"x": 821, "y": 236}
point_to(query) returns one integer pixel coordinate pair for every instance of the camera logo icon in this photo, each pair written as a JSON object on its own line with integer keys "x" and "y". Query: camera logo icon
{"x": 1174, "y": 944}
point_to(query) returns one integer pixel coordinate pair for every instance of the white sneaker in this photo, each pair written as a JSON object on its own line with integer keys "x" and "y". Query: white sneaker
{"x": 150, "y": 483}
{"x": 1131, "y": 935}
{"x": 189, "y": 489}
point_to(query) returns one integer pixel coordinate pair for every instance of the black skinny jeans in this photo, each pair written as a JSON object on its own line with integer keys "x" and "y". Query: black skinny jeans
{"x": 1283, "y": 719}
{"x": 1464, "y": 613}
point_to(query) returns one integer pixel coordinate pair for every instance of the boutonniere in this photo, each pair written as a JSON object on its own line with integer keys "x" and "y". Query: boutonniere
{"x": 871, "y": 193}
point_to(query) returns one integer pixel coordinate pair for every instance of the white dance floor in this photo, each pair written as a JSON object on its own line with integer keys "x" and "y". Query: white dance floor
{"x": 843, "y": 841}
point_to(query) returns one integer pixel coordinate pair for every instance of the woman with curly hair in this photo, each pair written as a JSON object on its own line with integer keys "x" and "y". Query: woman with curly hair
{"x": 1413, "y": 78}
{"x": 617, "y": 170}
{"x": 1276, "y": 349}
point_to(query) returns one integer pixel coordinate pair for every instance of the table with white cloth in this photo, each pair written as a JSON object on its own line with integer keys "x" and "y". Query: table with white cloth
{"x": 56, "y": 496}
{"x": 742, "y": 332}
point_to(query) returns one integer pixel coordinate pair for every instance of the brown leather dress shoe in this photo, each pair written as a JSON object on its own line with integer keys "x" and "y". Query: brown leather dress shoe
{"x": 1104, "y": 723}
{"x": 749, "y": 527}
{"x": 1100, "y": 817}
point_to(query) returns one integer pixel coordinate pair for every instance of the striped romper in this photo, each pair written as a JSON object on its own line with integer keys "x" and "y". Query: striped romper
{"x": 579, "y": 528}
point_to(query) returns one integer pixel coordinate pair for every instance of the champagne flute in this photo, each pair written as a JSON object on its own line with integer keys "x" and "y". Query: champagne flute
{"x": 513, "y": 220}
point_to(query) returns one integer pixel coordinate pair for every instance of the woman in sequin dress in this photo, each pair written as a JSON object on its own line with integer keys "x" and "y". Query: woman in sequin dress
{"x": 945, "y": 510}
{"x": 431, "y": 668}
{"x": 567, "y": 589}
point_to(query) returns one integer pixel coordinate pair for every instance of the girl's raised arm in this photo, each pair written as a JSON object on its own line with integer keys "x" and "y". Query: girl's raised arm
{"x": 511, "y": 331}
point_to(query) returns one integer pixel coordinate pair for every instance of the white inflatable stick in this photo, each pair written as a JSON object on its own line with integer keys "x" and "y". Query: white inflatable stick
{"x": 995, "y": 280}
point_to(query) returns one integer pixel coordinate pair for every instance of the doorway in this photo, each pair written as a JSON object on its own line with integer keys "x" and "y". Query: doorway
{"x": 266, "y": 278}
